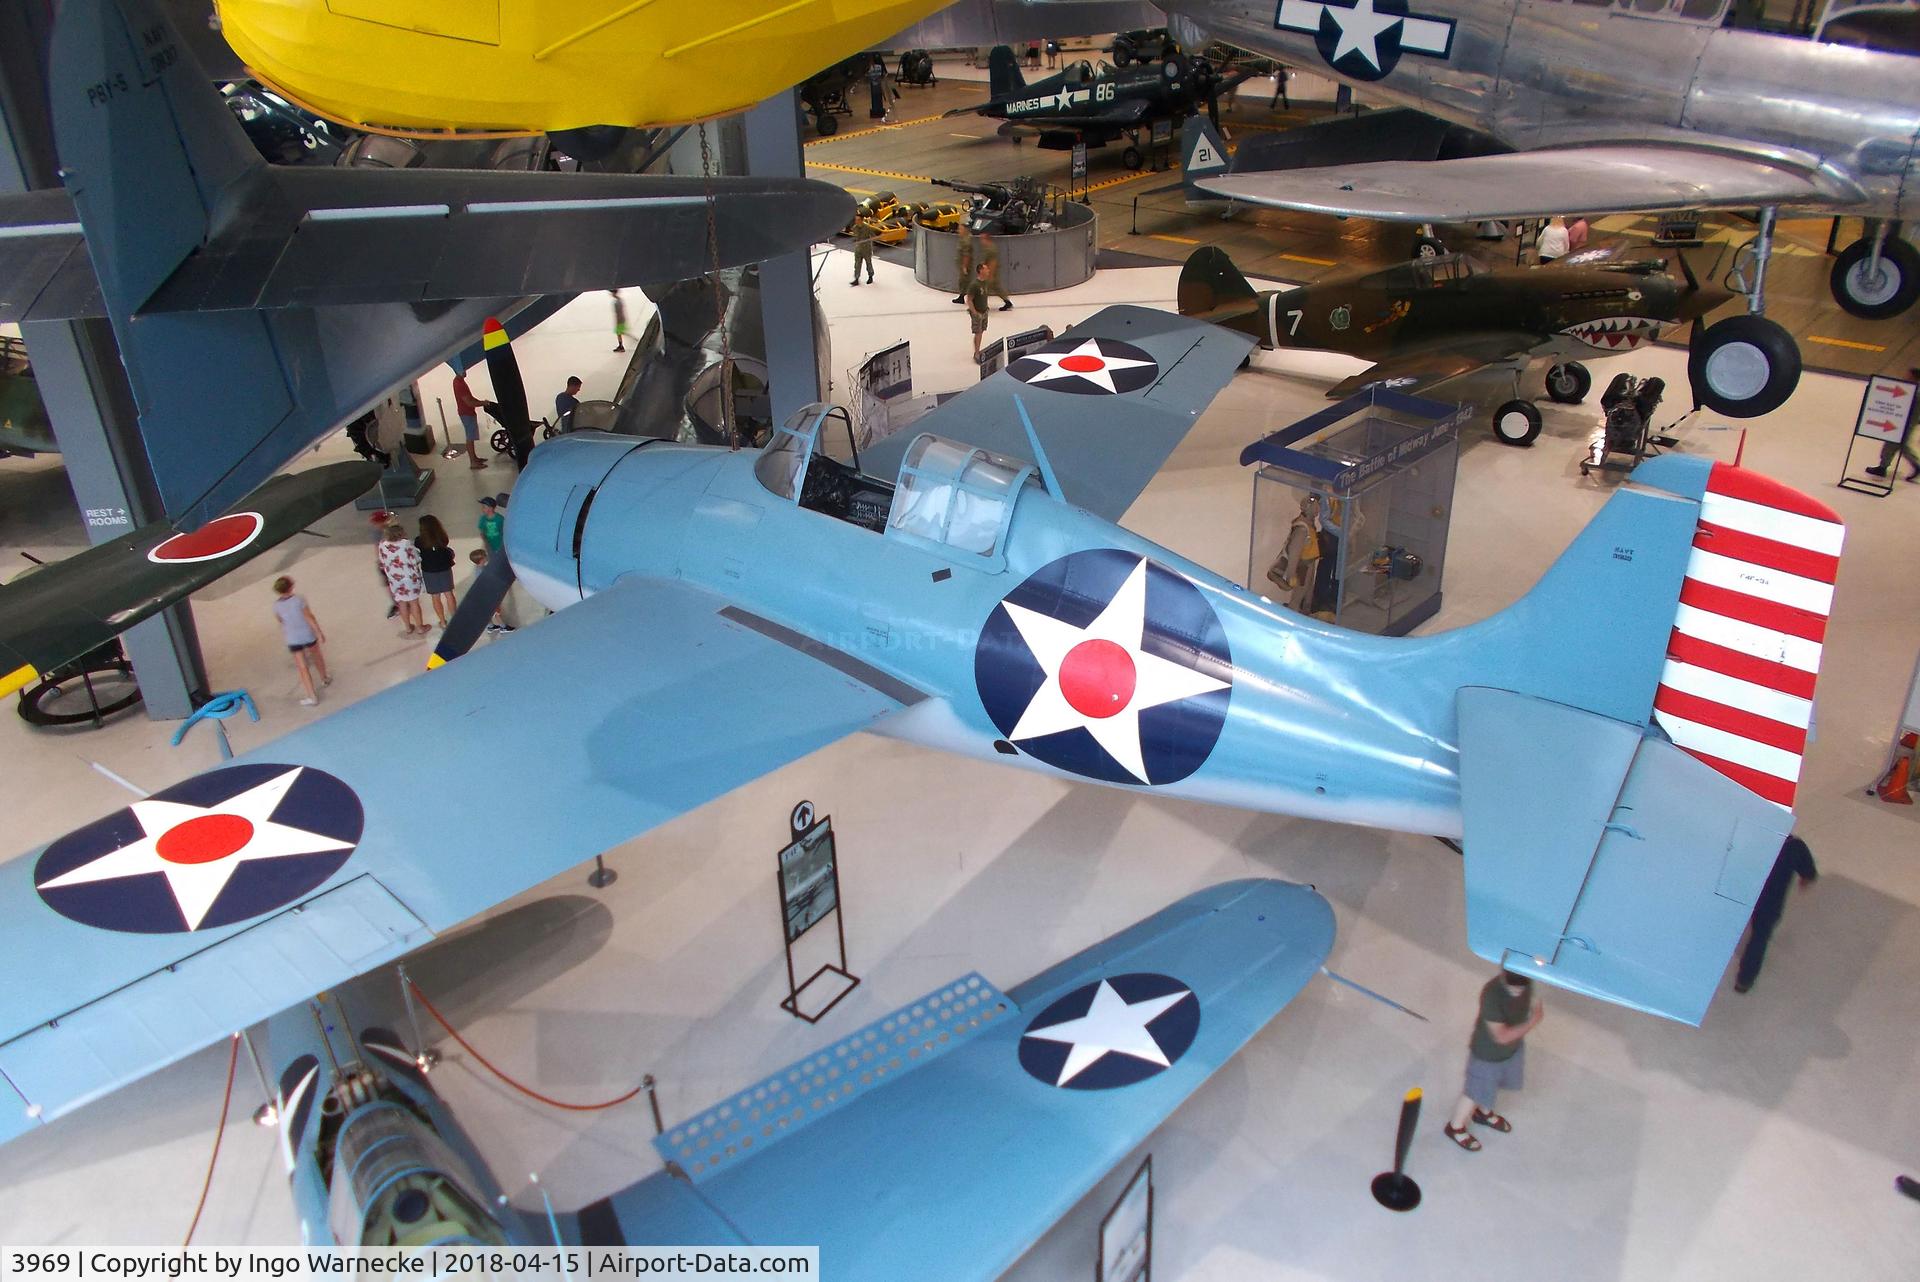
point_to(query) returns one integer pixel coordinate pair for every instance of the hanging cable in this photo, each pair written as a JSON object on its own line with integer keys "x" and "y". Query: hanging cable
{"x": 487, "y": 1064}
{"x": 220, "y": 1132}
{"x": 719, "y": 293}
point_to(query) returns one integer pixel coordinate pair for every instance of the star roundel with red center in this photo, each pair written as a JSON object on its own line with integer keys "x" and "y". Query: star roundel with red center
{"x": 220, "y": 537}
{"x": 1088, "y": 366}
{"x": 211, "y": 851}
{"x": 1108, "y": 665}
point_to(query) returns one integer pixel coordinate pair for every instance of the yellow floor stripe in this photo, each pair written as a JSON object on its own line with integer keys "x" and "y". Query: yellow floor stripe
{"x": 1178, "y": 240}
{"x": 1302, "y": 258}
{"x": 877, "y": 129}
{"x": 1845, "y": 342}
{"x": 1127, "y": 178}
{"x": 875, "y": 173}
{"x": 860, "y": 191}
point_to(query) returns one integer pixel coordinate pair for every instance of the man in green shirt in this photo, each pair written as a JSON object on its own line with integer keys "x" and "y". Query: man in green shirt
{"x": 976, "y": 297}
{"x": 864, "y": 234}
{"x": 1496, "y": 1060}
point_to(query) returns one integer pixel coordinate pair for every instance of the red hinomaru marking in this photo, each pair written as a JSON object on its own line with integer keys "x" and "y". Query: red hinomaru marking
{"x": 219, "y": 537}
{"x": 1097, "y": 678}
{"x": 204, "y": 839}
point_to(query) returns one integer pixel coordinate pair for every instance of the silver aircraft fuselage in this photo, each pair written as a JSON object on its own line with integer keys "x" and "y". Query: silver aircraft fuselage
{"x": 1546, "y": 73}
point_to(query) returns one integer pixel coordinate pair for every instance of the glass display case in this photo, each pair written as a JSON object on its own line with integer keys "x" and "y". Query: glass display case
{"x": 1351, "y": 508}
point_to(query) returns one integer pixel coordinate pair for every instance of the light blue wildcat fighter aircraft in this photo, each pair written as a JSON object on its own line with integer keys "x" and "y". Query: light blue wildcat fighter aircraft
{"x": 1619, "y": 749}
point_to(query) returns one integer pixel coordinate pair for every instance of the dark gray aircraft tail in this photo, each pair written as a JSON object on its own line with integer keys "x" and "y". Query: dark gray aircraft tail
{"x": 259, "y": 307}
{"x": 1212, "y": 287}
{"x": 1003, "y": 72}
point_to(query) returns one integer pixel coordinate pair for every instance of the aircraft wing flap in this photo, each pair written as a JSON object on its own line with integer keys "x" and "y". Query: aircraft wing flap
{"x": 1425, "y": 364}
{"x": 60, "y": 1066}
{"x": 330, "y": 236}
{"x": 1529, "y": 184}
{"x": 1216, "y": 966}
{"x": 1107, "y": 426}
{"x": 553, "y": 745}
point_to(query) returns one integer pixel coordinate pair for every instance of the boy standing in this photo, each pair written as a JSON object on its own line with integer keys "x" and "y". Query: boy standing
{"x": 493, "y": 526}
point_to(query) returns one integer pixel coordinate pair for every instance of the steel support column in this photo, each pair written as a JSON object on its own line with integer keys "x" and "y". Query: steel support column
{"x": 786, "y": 282}
{"x": 77, "y": 368}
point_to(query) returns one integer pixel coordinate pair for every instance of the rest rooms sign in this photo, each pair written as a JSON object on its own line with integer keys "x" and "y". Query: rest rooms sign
{"x": 1885, "y": 409}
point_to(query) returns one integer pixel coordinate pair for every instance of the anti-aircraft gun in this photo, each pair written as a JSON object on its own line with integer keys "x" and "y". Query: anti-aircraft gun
{"x": 1010, "y": 208}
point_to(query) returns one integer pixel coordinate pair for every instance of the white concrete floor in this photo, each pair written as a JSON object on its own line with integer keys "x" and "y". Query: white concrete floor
{"x": 1761, "y": 1146}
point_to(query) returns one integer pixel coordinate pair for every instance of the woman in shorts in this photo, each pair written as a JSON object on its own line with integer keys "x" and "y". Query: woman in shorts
{"x": 301, "y": 631}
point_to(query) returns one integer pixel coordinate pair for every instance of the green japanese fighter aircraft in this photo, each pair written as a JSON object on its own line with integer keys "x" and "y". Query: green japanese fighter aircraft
{"x": 23, "y": 419}
{"x": 1432, "y": 319}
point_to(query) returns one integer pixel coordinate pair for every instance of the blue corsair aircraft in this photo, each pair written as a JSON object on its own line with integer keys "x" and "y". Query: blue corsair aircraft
{"x": 1619, "y": 749}
{"x": 888, "y": 1144}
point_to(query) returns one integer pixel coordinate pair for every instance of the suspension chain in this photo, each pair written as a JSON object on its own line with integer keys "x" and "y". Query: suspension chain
{"x": 719, "y": 293}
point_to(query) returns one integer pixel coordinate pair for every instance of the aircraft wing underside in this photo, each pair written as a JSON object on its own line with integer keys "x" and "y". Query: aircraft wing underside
{"x": 980, "y": 1117}
{"x": 1425, "y": 364}
{"x": 60, "y": 611}
{"x": 1109, "y": 399}
{"x": 237, "y": 893}
{"x": 1616, "y": 177}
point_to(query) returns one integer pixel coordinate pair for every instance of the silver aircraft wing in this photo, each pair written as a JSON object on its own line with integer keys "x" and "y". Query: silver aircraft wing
{"x": 1614, "y": 177}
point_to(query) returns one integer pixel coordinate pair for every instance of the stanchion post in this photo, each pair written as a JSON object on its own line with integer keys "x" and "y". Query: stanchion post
{"x": 1395, "y": 1189}
{"x": 602, "y": 876}
{"x": 421, "y": 1055}
{"x": 653, "y": 1102}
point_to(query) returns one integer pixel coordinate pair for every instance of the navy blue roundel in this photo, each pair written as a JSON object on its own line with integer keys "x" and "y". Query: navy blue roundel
{"x": 213, "y": 850}
{"x": 1087, "y": 367}
{"x": 1114, "y": 1032}
{"x": 1365, "y": 39}
{"x": 1107, "y": 665}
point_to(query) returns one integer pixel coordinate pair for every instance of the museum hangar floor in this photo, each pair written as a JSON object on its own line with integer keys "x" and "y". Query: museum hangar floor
{"x": 1762, "y": 1145}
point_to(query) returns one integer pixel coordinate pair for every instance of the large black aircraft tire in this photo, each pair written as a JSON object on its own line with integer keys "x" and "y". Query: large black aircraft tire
{"x": 1871, "y": 295}
{"x": 1132, "y": 158}
{"x": 1516, "y": 423}
{"x": 1569, "y": 383}
{"x": 826, "y": 124}
{"x": 1743, "y": 366}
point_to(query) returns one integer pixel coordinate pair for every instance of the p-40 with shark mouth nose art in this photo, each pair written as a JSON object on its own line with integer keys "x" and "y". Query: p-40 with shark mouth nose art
{"x": 1432, "y": 319}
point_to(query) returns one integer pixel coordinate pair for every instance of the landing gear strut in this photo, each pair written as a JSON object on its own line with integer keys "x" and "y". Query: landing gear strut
{"x": 1746, "y": 366}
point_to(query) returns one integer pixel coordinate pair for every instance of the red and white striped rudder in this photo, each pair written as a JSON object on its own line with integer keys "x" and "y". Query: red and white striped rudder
{"x": 1737, "y": 688}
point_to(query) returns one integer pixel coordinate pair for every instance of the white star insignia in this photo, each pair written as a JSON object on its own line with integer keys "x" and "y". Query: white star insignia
{"x": 1099, "y": 678}
{"x": 1099, "y": 373}
{"x": 1111, "y": 1025}
{"x": 196, "y": 883}
{"x": 1360, "y": 30}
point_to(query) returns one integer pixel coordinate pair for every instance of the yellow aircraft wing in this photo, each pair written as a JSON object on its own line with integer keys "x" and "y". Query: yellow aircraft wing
{"x": 529, "y": 66}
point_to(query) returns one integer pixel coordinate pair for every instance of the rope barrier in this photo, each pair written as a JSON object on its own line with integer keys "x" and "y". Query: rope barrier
{"x": 220, "y": 1133}
{"x": 528, "y": 1091}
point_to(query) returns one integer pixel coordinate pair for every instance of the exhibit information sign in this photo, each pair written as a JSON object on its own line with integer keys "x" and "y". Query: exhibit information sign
{"x": 1885, "y": 409}
{"x": 1126, "y": 1234}
{"x": 1079, "y": 173}
{"x": 807, "y": 882}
